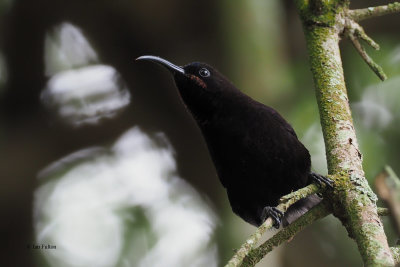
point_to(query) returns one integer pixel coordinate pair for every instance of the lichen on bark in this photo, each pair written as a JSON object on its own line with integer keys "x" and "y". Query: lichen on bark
{"x": 353, "y": 200}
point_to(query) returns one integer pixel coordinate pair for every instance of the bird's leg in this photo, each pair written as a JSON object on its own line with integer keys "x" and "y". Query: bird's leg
{"x": 274, "y": 213}
{"x": 320, "y": 179}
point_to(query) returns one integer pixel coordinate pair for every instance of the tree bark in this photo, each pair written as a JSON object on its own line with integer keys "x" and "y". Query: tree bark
{"x": 353, "y": 200}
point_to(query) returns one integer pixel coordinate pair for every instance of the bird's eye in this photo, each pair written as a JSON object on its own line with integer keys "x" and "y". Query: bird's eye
{"x": 204, "y": 72}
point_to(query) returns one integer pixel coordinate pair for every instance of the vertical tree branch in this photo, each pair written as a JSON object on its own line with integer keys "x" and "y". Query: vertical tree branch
{"x": 353, "y": 199}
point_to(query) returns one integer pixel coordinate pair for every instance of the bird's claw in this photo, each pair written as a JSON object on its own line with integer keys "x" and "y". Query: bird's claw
{"x": 321, "y": 180}
{"x": 274, "y": 213}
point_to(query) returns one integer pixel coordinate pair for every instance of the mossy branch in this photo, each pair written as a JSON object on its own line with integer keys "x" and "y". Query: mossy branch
{"x": 396, "y": 254}
{"x": 356, "y": 32}
{"x": 353, "y": 200}
{"x": 285, "y": 203}
{"x": 372, "y": 12}
{"x": 318, "y": 212}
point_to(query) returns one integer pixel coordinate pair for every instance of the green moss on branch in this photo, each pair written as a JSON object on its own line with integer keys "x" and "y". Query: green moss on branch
{"x": 285, "y": 203}
{"x": 353, "y": 199}
{"x": 318, "y": 212}
{"x": 396, "y": 254}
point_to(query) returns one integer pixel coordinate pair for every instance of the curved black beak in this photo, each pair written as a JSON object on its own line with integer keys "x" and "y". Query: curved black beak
{"x": 171, "y": 67}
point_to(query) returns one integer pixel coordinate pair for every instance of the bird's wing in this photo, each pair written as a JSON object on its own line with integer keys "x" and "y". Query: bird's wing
{"x": 253, "y": 138}
{"x": 281, "y": 121}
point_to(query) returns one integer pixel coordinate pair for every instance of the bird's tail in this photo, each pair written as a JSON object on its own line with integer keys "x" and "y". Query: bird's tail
{"x": 299, "y": 208}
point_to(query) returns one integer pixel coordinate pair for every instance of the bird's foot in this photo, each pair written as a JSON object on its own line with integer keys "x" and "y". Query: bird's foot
{"x": 274, "y": 213}
{"x": 321, "y": 180}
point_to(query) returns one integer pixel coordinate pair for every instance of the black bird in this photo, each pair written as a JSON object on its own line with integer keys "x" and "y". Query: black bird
{"x": 257, "y": 154}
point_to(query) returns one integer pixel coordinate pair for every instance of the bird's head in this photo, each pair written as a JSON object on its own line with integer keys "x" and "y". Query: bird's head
{"x": 200, "y": 85}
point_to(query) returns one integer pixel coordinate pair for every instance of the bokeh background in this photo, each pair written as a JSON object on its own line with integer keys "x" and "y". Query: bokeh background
{"x": 102, "y": 166}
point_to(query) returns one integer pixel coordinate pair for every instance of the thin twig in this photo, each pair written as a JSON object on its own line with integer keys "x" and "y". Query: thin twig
{"x": 356, "y": 32}
{"x": 371, "y": 12}
{"x": 387, "y": 186}
{"x": 316, "y": 213}
{"x": 285, "y": 203}
{"x": 371, "y": 63}
{"x": 360, "y": 33}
